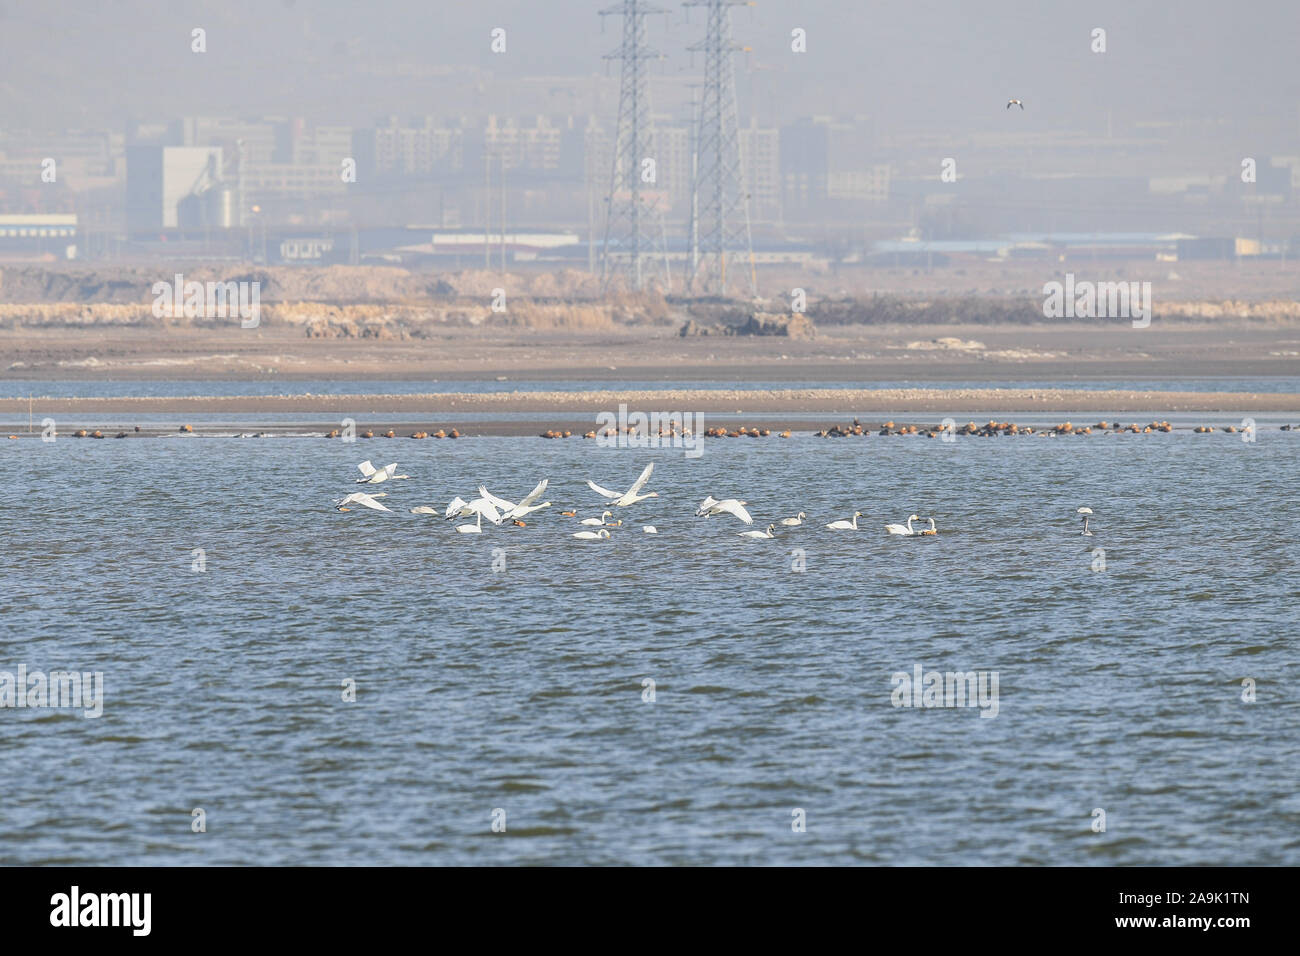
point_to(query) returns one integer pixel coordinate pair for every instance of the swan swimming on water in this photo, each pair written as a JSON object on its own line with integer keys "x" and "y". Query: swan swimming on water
{"x": 846, "y": 525}
{"x": 597, "y": 521}
{"x": 760, "y": 534}
{"x": 906, "y": 529}
{"x": 795, "y": 521}
{"x": 591, "y": 535}
{"x": 475, "y": 528}
{"x": 1085, "y": 514}
{"x": 624, "y": 498}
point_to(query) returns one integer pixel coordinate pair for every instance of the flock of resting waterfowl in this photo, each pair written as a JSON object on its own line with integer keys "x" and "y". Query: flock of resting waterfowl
{"x": 995, "y": 429}
{"x": 498, "y": 511}
{"x": 992, "y": 429}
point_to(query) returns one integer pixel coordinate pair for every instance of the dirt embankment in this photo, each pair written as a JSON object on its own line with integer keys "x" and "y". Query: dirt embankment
{"x": 384, "y": 302}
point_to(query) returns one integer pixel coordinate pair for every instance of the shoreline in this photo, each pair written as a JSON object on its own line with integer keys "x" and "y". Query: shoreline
{"x": 529, "y": 414}
{"x": 589, "y": 403}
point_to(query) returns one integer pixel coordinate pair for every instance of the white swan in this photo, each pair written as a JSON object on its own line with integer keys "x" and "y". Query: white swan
{"x": 730, "y": 506}
{"x": 591, "y": 535}
{"x": 459, "y": 508}
{"x": 905, "y": 530}
{"x": 374, "y": 476}
{"x": 475, "y": 528}
{"x": 1085, "y": 514}
{"x": 363, "y": 499}
{"x": 932, "y": 529}
{"x": 423, "y": 510}
{"x": 795, "y": 521}
{"x": 649, "y": 529}
{"x": 629, "y": 497}
{"x": 511, "y": 510}
{"x": 760, "y": 534}
{"x": 597, "y": 521}
{"x": 846, "y": 525}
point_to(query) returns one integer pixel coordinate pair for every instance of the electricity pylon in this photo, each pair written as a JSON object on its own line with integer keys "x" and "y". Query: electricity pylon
{"x": 720, "y": 237}
{"x": 634, "y": 231}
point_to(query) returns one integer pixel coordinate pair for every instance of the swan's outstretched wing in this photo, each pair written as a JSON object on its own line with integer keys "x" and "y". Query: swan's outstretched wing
{"x": 497, "y": 502}
{"x": 390, "y": 470}
{"x": 708, "y": 502}
{"x": 368, "y": 501}
{"x": 454, "y": 507}
{"x": 367, "y": 469}
{"x": 535, "y": 493}
{"x": 423, "y": 510}
{"x": 640, "y": 482}
{"x": 603, "y": 492}
{"x": 486, "y": 509}
{"x": 735, "y": 508}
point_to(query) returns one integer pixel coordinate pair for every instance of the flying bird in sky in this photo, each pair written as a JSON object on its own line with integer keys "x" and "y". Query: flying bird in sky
{"x": 1011, "y": 103}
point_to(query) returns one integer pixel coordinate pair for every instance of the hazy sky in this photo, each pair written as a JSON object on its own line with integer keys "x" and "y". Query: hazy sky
{"x": 911, "y": 64}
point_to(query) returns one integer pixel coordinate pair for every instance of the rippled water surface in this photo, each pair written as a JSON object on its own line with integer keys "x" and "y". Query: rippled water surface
{"x": 521, "y": 688}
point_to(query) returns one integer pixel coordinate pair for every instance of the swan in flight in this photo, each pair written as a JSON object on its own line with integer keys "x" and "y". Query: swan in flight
{"x": 363, "y": 499}
{"x": 846, "y": 525}
{"x": 1085, "y": 514}
{"x": 906, "y": 529}
{"x": 597, "y": 521}
{"x": 459, "y": 508}
{"x": 423, "y": 510}
{"x": 592, "y": 535}
{"x": 731, "y": 506}
{"x": 525, "y": 506}
{"x": 629, "y": 497}
{"x": 374, "y": 476}
{"x": 795, "y": 521}
{"x": 760, "y": 534}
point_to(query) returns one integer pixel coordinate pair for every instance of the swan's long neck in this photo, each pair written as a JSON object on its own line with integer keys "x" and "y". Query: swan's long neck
{"x": 909, "y": 526}
{"x": 855, "y": 522}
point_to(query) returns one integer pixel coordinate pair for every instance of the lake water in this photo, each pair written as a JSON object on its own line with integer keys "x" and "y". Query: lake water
{"x": 521, "y": 689}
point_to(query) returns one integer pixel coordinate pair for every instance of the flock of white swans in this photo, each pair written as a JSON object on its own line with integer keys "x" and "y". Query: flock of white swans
{"x": 498, "y": 511}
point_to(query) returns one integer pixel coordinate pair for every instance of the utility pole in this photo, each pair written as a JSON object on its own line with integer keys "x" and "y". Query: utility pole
{"x": 722, "y": 229}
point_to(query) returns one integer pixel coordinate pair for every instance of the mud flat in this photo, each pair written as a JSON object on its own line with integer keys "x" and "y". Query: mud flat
{"x": 890, "y": 354}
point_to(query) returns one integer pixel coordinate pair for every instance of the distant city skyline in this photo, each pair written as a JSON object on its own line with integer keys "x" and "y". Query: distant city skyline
{"x": 856, "y": 122}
